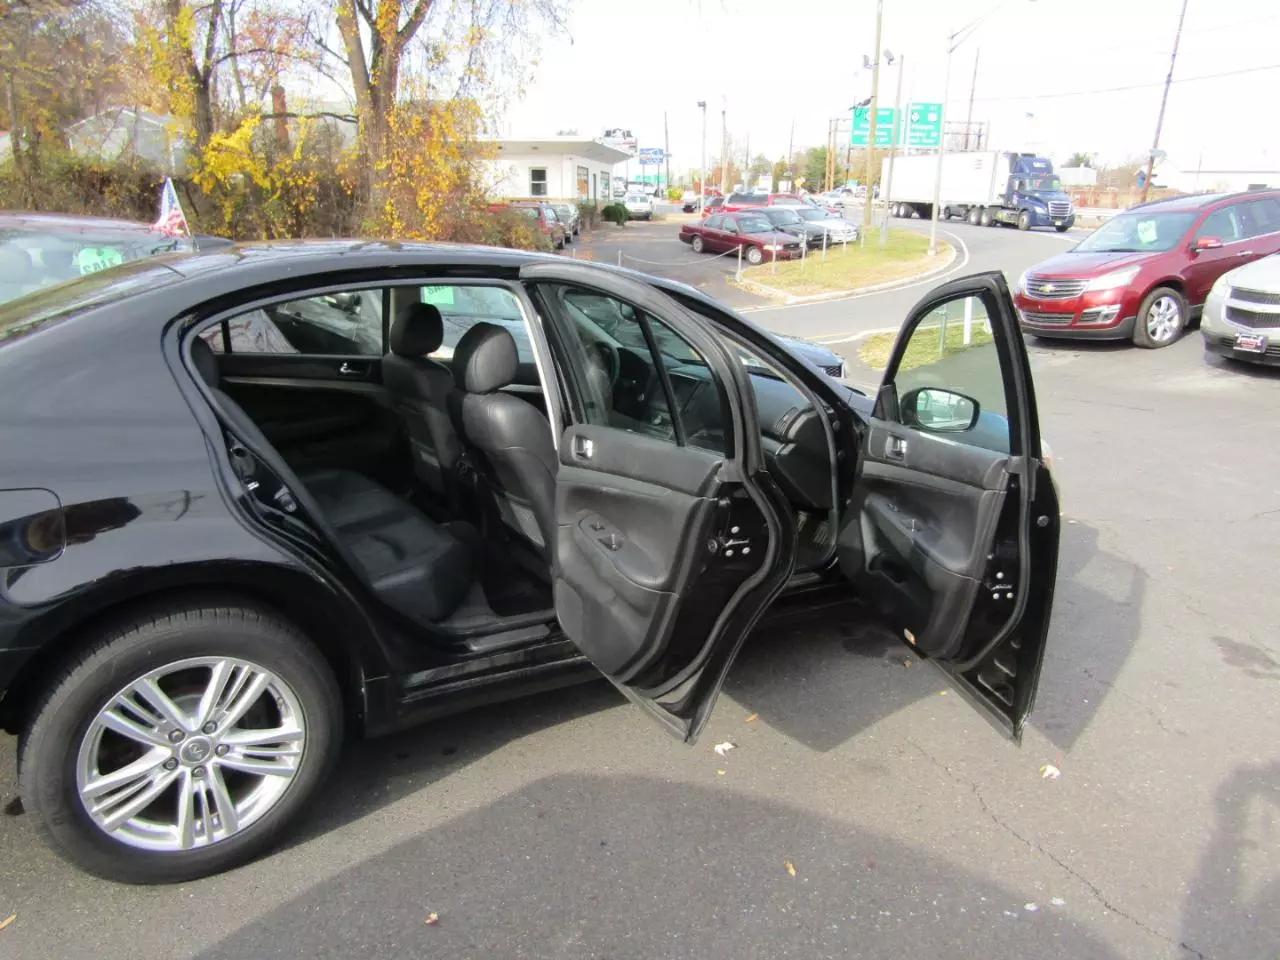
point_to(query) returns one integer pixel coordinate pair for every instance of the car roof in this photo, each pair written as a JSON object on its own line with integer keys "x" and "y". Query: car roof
{"x": 31, "y": 220}
{"x": 1198, "y": 201}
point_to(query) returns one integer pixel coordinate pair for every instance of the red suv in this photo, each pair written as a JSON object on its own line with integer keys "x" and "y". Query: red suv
{"x": 1146, "y": 273}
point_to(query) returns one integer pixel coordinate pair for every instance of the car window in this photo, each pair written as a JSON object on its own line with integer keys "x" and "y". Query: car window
{"x": 1260, "y": 216}
{"x": 715, "y": 223}
{"x": 622, "y": 381}
{"x": 756, "y": 224}
{"x": 1139, "y": 232}
{"x": 344, "y": 323}
{"x": 730, "y": 225}
{"x": 956, "y": 370}
{"x": 1224, "y": 224}
{"x": 462, "y": 306}
{"x": 32, "y": 259}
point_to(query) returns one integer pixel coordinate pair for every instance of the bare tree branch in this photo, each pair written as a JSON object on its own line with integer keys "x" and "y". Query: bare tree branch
{"x": 414, "y": 23}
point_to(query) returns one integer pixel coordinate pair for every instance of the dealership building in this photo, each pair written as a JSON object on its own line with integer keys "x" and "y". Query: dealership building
{"x": 557, "y": 168}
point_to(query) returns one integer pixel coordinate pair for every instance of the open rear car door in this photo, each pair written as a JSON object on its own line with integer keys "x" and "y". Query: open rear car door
{"x": 952, "y": 532}
{"x": 671, "y": 537}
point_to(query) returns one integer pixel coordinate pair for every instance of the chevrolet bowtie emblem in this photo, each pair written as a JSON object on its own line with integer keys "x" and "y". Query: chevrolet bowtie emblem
{"x": 1048, "y": 288}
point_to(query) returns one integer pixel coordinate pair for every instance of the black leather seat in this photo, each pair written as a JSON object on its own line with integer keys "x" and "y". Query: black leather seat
{"x": 507, "y": 439}
{"x": 415, "y": 566}
{"x": 419, "y": 389}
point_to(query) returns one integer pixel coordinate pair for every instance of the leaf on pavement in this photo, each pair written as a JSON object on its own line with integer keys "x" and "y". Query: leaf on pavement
{"x": 8, "y": 920}
{"x": 723, "y": 748}
{"x": 432, "y": 919}
{"x": 754, "y": 716}
{"x": 1050, "y": 772}
{"x": 791, "y": 868}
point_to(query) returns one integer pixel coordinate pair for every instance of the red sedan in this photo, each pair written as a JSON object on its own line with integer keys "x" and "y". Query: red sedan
{"x": 750, "y": 231}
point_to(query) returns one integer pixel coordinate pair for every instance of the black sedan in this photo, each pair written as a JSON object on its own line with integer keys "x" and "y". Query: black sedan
{"x": 257, "y": 498}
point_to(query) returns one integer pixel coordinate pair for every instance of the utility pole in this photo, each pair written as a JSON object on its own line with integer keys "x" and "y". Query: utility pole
{"x": 724, "y": 153}
{"x": 942, "y": 148}
{"x": 791, "y": 139}
{"x": 702, "y": 174}
{"x": 666, "y": 146}
{"x": 973, "y": 85}
{"x": 867, "y": 208}
{"x": 905, "y": 129}
{"x": 1164, "y": 98}
{"x": 831, "y": 153}
{"x": 746, "y": 166}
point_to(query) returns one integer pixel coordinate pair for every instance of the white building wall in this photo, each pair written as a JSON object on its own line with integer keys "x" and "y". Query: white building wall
{"x": 512, "y": 175}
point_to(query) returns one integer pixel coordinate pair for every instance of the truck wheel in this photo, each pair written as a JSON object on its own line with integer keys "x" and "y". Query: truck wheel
{"x": 1161, "y": 318}
{"x": 946, "y": 213}
{"x": 986, "y": 218}
{"x": 1061, "y": 228}
{"x": 180, "y": 743}
{"x": 975, "y": 215}
{"x": 697, "y": 244}
{"x": 1024, "y": 220}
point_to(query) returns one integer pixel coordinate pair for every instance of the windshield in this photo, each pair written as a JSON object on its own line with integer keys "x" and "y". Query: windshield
{"x": 755, "y": 224}
{"x": 1138, "y": 232}
{"x": 32, "y": 259}
{"x": 810, "y": 213}
{"x": 529, "y": 213}
{"x": 637, "y": 198}
{"x": 1042, "y": 185}
{"x": 780, "y": 217}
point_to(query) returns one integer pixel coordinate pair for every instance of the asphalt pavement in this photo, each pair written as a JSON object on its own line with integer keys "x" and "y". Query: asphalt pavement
{"x": 567, "y": 825}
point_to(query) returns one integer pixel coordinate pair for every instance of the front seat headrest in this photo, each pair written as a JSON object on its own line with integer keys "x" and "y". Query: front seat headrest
{"x": 485, "y": 359}
{"x": 417, "y": 331}
{"x": 205, "y": 362}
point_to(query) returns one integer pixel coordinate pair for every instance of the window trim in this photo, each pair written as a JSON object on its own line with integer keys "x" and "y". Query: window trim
{"x": 532, "y": 182}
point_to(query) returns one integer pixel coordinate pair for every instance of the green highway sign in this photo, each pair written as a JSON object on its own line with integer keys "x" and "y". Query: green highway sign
{"x": 862, "y": 126}
{"x": 923, "y": 123}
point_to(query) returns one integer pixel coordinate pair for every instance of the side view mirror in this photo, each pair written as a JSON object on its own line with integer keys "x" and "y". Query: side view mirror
{"x": 1207, "y": 243}
{"x": 938, "y": 410}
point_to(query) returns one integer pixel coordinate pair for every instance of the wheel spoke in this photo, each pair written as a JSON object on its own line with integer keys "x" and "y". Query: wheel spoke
{"x": 113, "y": 719}
{"x": 247, "y": 693}
{"x": 186, "y": 819}
{"x": 254, "y": 738}
{"x": 139, "y": 800}
{"x": 282, "y": 766}
{"x": 149, "y": 692}
{"x": 222, "y": 803}
{"x": 218, "y": 674}
{"x": 133, "y": 774}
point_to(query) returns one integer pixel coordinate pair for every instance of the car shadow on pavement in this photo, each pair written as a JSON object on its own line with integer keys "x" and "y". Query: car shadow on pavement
{"x": 581, "y": 865}
{"x": 1238, "y": 868}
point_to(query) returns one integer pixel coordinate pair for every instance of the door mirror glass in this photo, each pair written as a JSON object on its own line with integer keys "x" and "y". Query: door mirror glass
{"x": 938, "y": 410}
{"x": 1208, "y": 243}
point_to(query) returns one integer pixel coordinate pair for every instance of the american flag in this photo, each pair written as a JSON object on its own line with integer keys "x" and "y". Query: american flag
{"x": 172, "y": 221}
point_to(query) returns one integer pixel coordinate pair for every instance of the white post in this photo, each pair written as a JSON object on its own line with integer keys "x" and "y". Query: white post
{"x": 968, "y": 320}
{"x": 824, "y": 244}
{"x": 619, "y": 258}
{"x": 942, "y": 149}
{"x": 738, "y": 275}
{"x": 900, "y": 129}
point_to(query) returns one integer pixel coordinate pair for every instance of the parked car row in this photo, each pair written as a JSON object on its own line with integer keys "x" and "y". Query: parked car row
{"x": 768, "y": 232}
{"x": 559, "y": 226}
{"x": 1151, "y": 271}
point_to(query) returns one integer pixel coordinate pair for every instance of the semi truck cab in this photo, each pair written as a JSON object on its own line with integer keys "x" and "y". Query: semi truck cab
{"x": 1033, "y": 196}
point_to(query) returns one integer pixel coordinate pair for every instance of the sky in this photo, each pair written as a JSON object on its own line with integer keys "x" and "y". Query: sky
{"x": 768, "y": 64}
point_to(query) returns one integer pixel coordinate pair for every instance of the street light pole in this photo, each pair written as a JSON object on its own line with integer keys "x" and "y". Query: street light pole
{"x": 898, "y": 125}
{"x": 942, "y": 149}
{"x": 724, "y": 152}
{"x": 867, "y": 204}
{"x": 702, "y": 175}
{"x": 1155, "y": 144}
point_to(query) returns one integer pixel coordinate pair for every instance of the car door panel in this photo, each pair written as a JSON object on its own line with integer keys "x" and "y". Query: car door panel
{"x": 666, "y": 553}
{"x": 952, "y": 536}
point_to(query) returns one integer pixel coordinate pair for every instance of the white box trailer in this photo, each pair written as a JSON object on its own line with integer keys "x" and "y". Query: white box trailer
{"x": 986, "y": 187}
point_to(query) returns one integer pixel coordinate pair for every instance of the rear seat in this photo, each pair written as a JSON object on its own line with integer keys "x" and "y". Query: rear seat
{"x": 414, "y": 565}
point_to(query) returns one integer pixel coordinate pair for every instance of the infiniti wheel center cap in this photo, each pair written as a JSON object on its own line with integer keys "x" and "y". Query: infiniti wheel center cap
{"x": 196, "y": 750}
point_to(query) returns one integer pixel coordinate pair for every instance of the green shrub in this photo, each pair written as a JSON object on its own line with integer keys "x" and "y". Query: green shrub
{"x": 589, "y": 213}
{"x": 503, "y": 228}
{"x": 614, "y": 213}
{"x": 674, "y": 193}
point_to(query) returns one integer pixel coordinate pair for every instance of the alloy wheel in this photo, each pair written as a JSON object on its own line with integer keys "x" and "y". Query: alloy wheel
{"x": 1164, "y": 319}
{"x": 190, "y": 754}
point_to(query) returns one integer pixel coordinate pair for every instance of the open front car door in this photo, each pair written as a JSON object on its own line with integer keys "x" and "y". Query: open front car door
{"x": 952, "y": 532}
{"x": 671, "y": 539}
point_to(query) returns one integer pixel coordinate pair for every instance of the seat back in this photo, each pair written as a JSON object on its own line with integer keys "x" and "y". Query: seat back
{"x": 506, "y": 439}
{"x": 419, "y": 389}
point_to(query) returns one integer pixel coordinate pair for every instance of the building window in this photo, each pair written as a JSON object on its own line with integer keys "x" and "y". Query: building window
{"x": 537, "y": 181}
{"x": 583, "y": 187}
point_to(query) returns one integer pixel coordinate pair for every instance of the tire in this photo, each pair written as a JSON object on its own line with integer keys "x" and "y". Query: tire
{"x": 946, "y": 213}
{"x": 985, "y": 218}
{"x": 754, "y": 256}
{"x": 1061, "y": 227}
{"x": 697, "y": 244}
{"x": 1161, "y": 319}
{"x": 975, "y": 216}
{"x": 1024, "y": 220}
{"x": 568, "y": 238}
{"x": 179, "y": 647}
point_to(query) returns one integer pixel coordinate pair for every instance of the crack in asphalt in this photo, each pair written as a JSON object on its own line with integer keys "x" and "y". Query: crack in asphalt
{"x": 1124, "y": 694}
{"x": 1093, "y": 888}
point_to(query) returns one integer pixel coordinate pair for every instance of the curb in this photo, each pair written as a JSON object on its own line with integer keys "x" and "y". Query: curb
{"x": 788, "y": 299}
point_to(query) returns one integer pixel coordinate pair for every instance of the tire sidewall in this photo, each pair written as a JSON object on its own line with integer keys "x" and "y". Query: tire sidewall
{"x": 698, "y": 245}
{"x": 1140, "y": 335}
{"x": 51, "y": 744}
{"x": 754, "y": 256}
{"x": 1024, "y": 221}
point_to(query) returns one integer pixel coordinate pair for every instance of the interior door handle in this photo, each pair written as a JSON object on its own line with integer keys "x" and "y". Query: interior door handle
{"x": 895, "y": 448}
{"x": 583, "y": 447}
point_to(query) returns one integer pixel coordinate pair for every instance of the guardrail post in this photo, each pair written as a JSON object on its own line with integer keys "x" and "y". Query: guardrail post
{"x": 738, "y": 275}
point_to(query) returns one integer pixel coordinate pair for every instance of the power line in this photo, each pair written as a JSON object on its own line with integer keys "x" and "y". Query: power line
{"x": 1132, "y": 86}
